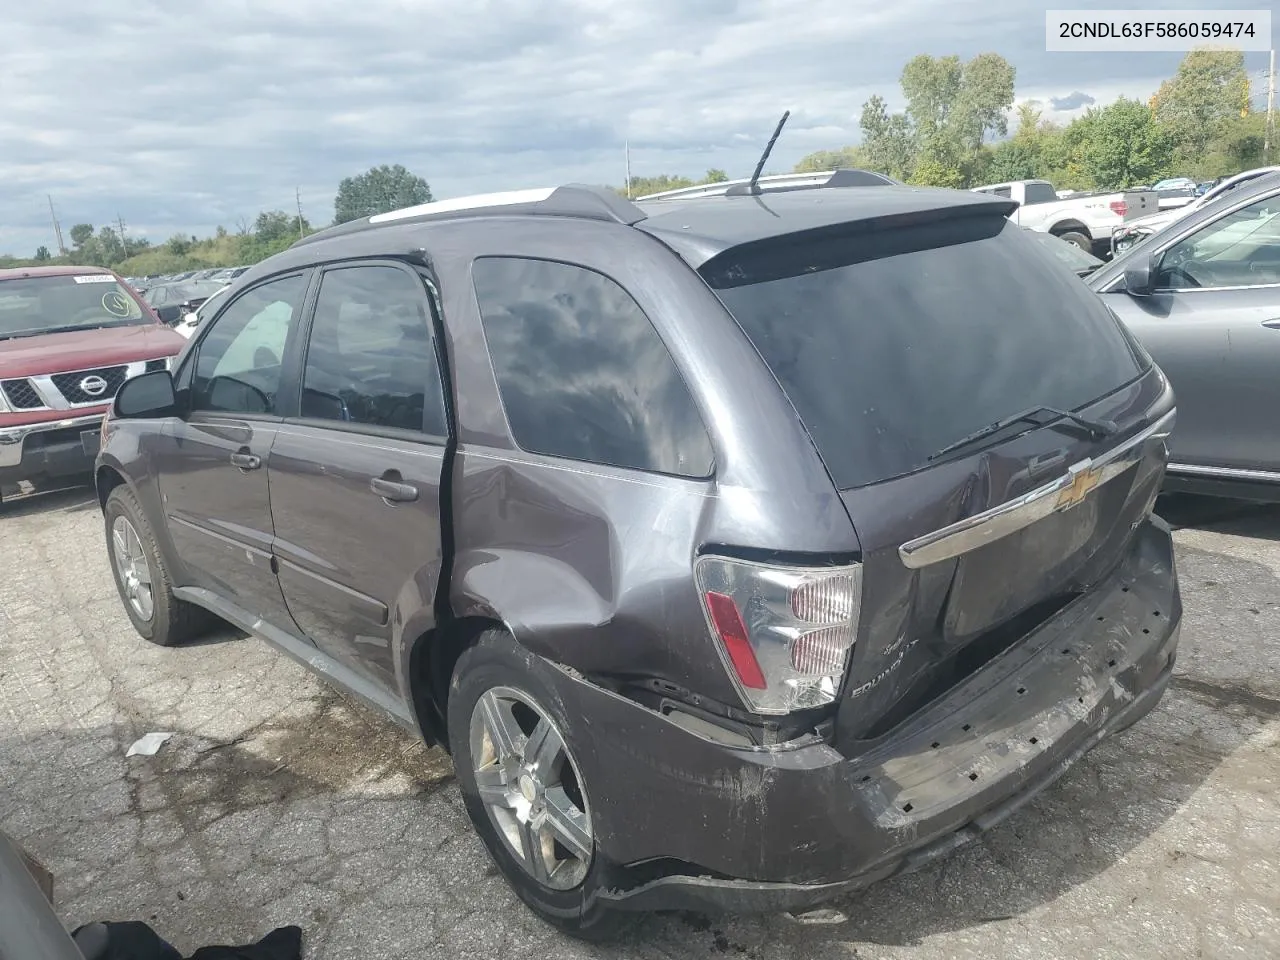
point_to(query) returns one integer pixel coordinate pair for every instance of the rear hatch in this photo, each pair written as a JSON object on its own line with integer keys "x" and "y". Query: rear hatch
{"x": 894, "y": 344}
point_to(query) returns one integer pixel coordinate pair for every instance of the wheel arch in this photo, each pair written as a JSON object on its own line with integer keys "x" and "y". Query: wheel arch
{"x": 1070, "y": 226}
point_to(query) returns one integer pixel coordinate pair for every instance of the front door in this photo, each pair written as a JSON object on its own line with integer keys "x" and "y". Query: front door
{"x": 355, "y": 479}
{"x": 212, "y": 462}
{"x": 1213, "y": 326}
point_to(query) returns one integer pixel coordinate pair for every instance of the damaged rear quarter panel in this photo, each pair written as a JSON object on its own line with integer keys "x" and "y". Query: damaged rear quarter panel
{"x": 591, "y": 565}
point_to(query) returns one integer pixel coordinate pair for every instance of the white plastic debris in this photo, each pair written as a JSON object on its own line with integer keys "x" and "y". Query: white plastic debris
{"x": 146, "y": 746}
{"x": 819, "y": 916}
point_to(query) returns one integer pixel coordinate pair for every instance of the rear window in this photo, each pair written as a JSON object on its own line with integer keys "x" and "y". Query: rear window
{"x": 1039, "y": 192}
{"x": 30, "y": 306}
{"x": 893, "y": 344}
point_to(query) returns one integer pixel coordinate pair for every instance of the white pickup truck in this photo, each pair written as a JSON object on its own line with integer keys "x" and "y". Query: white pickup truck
{"x": 1085, "y": 219}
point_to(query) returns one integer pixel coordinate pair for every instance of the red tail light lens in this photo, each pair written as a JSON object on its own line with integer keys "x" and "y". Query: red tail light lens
{"x": 733, "y": 634}
{"x": 1119, "y": 207}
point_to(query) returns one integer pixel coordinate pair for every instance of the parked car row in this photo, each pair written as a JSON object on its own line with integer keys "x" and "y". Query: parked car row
{"x": 212, "y": 274}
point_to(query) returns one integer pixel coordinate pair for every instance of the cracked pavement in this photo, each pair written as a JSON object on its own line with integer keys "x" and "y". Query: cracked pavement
{"x": 277, "y": 801}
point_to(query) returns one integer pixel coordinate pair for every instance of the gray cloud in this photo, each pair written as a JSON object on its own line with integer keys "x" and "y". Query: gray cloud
{"x": 179, "y": 117}
{"x": 1072, "y": 101}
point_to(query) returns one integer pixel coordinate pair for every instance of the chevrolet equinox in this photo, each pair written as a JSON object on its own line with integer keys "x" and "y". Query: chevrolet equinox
{"x": 742, "y": 550}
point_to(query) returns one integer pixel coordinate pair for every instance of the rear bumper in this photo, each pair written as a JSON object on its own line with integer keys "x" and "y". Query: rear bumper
{"x": 53, "y": 448}
{"x": 699, "y": 824}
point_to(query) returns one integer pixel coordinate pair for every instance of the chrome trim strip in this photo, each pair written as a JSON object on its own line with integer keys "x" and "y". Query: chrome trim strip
{"x": 990, "y": 525}
{"x": 48, "y": 391}
{"x": 1224, "y": 473}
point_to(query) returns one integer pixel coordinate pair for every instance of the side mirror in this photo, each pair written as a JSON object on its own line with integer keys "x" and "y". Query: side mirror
{"x": 146, "y": 396}
{"x": 1139, "y": 277}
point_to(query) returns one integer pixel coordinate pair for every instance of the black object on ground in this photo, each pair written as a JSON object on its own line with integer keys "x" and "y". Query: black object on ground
{"x": 134, "y": 940}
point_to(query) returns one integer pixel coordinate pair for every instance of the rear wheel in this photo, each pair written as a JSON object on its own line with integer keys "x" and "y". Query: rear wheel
{"x": 524, "y": 790}
{"x": 142, "y": 579}
{"x": 1080, "y": 240}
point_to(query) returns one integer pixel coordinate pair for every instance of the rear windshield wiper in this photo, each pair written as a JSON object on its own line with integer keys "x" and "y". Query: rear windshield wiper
{"x": 1097, "y": 429}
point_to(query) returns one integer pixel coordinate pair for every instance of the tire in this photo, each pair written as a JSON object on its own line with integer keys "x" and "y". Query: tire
{"x": 170, "y": 621}
{"x": 1078, "y": 239}
{"x": 497, "y": 669}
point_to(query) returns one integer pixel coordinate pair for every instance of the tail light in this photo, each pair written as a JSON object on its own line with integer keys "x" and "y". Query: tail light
{"x": 785, "y": 633}
{"x": 1119, "y": 207}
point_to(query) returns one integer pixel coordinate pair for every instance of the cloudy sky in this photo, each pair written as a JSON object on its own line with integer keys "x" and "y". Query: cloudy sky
{"x": 179, "y": 115}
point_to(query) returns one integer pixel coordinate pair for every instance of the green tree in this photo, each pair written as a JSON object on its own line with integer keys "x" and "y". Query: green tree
{"x": 952, "y": 108}
{"x": 43, "y": 254}
{"x": 846, "y": 158}
{"x": 81, "y": 234}
{"x": 887, "y": 139}
{"x": 715, "y": 175}
{"x": 379, "y": 190}
{"x": 1197, "y": 104}
{"x": 178, "y": 245}
{"x": 1126, "y": 145}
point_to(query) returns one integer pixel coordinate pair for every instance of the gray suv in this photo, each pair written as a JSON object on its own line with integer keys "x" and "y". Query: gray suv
{"x": 742, "y": 550}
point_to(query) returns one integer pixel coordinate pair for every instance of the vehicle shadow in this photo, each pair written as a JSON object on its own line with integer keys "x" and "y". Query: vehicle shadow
{"x": 1237, "y": 517}
{"x": 67, "y": 497}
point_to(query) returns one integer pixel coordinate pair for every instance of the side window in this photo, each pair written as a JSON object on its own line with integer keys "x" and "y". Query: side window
{"x": 1241, "y": 249}
{"x": 238, "y": 365}
{"x": 1038, "y": 193}
{"x": 1006, "y": 192}
{"x": 370, "y": 356}
{"x": 582, "y": 372}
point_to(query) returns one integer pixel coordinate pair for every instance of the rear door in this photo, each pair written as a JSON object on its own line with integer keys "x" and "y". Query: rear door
{"x": 356, "y": 474}
{"x": 1213, "y": 326}
{"x": 211, "y": 463}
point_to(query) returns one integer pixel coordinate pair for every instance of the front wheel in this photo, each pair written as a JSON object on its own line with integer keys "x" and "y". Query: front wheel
{"x": 523, "y": 789}
{"x": 141, "y": 577}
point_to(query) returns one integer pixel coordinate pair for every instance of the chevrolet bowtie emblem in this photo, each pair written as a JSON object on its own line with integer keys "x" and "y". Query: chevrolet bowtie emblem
{"x": 1081, "y": 485}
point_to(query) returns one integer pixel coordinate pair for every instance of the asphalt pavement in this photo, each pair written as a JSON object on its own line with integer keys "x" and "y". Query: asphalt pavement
{"x": 277, "y": 801}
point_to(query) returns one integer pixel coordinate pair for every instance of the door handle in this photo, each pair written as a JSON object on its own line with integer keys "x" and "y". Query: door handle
{"x": 1273, "y": 323}
{"x": 393, "y": 491}
{"x": 246, "y": 461}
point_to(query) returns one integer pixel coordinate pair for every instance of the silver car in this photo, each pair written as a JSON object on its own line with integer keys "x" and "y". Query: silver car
{"x": 1203, "y": 296}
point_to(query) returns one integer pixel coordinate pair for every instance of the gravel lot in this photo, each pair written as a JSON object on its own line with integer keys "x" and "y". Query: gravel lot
{"x": 279, "y": 802}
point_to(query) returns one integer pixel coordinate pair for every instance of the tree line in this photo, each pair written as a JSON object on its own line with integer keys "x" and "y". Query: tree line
{"x": 953, "y": 132}
{"x": 377, "y": 190}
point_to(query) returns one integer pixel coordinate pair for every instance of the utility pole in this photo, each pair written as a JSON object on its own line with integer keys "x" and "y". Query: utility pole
{"x": 628, "y": 152}
{"x": 297, "y": 195}
{"x": 124, "y": 247}
{"x": 1269, "y": 138}
{"x": 57, "y": 228}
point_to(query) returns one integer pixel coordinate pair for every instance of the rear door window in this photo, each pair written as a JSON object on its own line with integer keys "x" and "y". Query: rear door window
{"x": 582, "y": 372}
{"x": 371, "y": 357}
{"x": 893, "y": 344}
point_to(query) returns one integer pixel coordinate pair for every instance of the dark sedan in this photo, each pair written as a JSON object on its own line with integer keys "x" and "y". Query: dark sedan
{"x": 1203, "y": 296}
{"x": 173, "y": 301}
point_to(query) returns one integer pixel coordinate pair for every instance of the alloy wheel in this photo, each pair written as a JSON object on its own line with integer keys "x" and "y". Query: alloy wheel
{"x": 531, "y": 788}
{"x": 131, "y": 567}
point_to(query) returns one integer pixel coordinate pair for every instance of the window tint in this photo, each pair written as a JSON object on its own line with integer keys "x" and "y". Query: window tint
{"x": 582, "y": 372}
{"x": 1038, "y": 193}
{"x": 1001, "y": 191}
{"x": 238, "y": 364}
{"x": 370, "y": 358}
{"x": 1241, "y": 249}
{"x": 893, "y": 344}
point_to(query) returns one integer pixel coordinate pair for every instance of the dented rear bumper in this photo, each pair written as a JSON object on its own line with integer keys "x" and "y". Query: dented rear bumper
{"x": 699, "y": 824}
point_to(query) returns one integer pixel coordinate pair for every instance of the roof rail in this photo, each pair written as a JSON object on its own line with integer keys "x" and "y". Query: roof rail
{"x": 573, "y": 200}
{"x": 779, "y": 183}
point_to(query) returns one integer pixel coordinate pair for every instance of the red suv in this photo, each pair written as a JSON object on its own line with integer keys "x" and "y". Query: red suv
{"x": 69, "y": 337}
